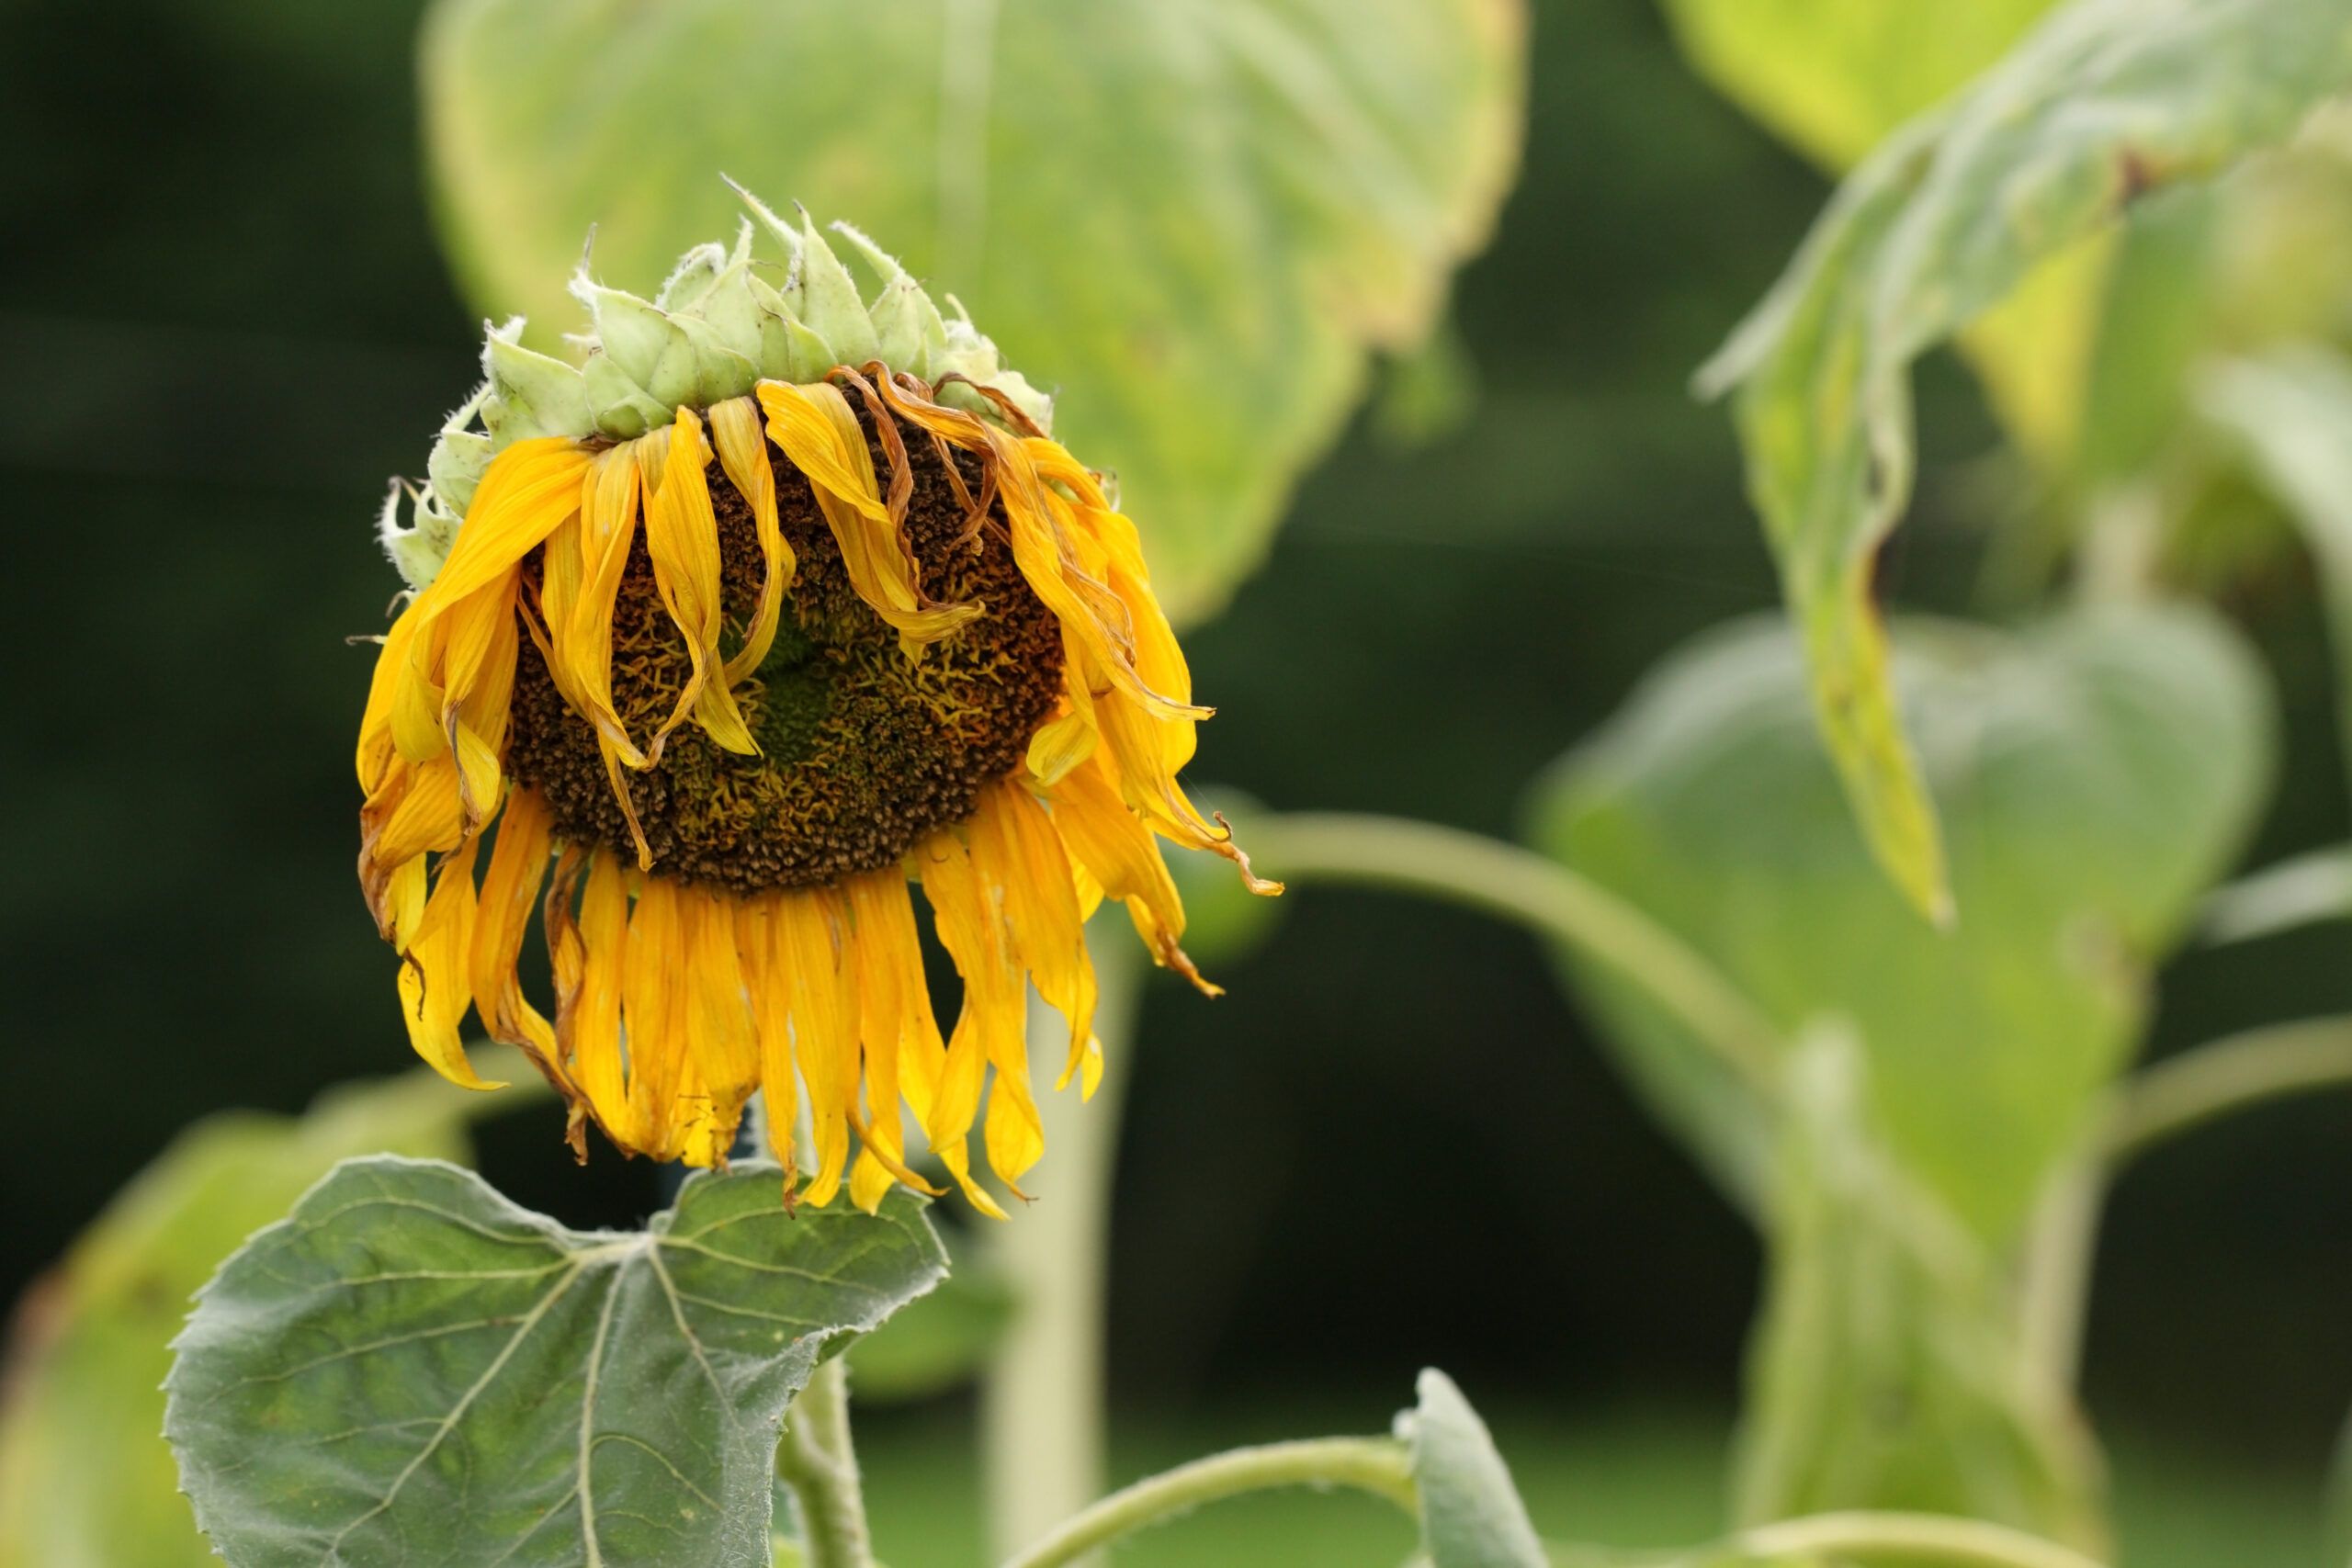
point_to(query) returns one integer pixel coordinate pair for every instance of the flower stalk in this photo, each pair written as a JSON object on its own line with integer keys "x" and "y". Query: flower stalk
{"x": 1042, "y": 1403}
{"x": 818, "y": 1461}
{"x": 1555, "y": 903}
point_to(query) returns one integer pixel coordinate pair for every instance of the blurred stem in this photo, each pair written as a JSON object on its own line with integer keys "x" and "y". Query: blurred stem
{"x": 2055, "y": 1286}
{"x": 1922, "y": 1537}
{"x": 1378, "y": 1465}
{"x": 1549, "y": 899}
{"x": 2232, "y": 1074}
{"x": 2174, "y": 1097}
{"x": 1041, "y": 1403}
{"x": 818, "y": 1462}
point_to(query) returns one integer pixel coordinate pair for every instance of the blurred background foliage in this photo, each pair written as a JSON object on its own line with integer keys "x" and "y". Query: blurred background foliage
{"x": 235, "y": 323}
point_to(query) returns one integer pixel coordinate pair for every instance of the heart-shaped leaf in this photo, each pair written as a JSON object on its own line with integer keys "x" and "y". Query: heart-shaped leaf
{"x": 2098, "y": 773}
{"x": 1194, "y": 221}
{"x": 411, "y": 1369}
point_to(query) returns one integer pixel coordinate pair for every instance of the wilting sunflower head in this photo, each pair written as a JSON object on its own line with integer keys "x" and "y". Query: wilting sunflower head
{"x": 777, "y": 601}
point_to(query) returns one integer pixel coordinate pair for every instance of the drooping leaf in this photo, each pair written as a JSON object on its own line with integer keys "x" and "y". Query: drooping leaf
{"x": 2105, "y": 102}
{"x": 85, "y": 1479}
{"x": 1833, "y": 77}
{"x": 2098, "y": 773}
{"x": 1887, "y": 1370}
{"x": 1194, "y": 221}
{"x": 1471, "y": 1514}
{"x": 411, "y": 1368}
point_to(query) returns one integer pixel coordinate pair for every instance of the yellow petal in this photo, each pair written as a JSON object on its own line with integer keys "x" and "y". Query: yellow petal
{"x": 510, "y": 887}
{"x": 651, "y": 979}
{"x": 988, "y": 1031}
{"x": 815, "y": 430}
{"x": 722, "y": 1037}
{"x": 526, "y": 492}
{"x": 434, "y": 997}
{"x": 376, "y": 750}
{"x": 590, "y": 953}
{"x": 580, "y": 659}
{"x": 759, "y": 924}
{"x": 681, "y": 536}
{"x": 824, "y": 1026}
{"x": 901, "y": 1036}
{"x": 735, "y": 430}
{"x": 1016, "y": 850}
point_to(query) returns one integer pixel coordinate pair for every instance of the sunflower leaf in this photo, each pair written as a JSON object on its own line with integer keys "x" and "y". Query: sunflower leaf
{"x": 1194, "y": 221}
{"x": 412, "y": 1368}
{"x": 2104, "y": 103}
{"x": 2101, "y": 769}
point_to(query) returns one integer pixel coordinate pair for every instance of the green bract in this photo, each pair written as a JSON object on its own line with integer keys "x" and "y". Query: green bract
{"x": 1471, "y": 1514}
{"x": 723, "y": 321}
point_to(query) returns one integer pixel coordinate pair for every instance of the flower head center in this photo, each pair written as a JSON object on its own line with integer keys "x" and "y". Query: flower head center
{"x": 864, "y": 747}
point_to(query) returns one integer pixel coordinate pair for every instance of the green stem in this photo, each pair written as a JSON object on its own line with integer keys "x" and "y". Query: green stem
{"x": 1378, "y": 1465}
{"x": 1040, "y": 1404}
{"x": 2054, "y": 1295}
{"x": 1520, "y": 885}
{"x": 1926, "y": 1538}
{"x": 2232, "y": 1074}
{"x": 818, "y": 1462}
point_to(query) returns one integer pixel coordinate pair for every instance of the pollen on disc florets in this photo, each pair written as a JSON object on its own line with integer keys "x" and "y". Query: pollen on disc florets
{"x": 863, "y": 748}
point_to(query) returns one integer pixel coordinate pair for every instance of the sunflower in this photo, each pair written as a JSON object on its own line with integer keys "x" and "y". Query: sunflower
{"x": 778, "y": 603}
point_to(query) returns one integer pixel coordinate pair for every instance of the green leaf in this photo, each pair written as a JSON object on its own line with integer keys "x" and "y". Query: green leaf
{"x": 1887, "y": 1369}
{"x": 85, "y": 1479}
{"x": 1833, "y": 77}
{"x": 1471, "y": 1514}
{"x": 2099, "y": 772}
{"x": 411, "y": 1368}
{"x": 2105, "y": 102}
{"x": 1194, "y": 221}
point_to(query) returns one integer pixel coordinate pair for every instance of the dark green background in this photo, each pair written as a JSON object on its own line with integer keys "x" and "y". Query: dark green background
{"x": 226, "y": 323}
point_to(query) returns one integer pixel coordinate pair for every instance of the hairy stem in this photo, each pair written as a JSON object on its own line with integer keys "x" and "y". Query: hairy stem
{"x": 818, "y": 1462}
{"x": 1923, "y": 1538}
{"x": 1520, "y": 886}
{"x": 2232, "y": 1073}
{"x": 1041, "y": 1405}
{"x": 1378, "y": 1465}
